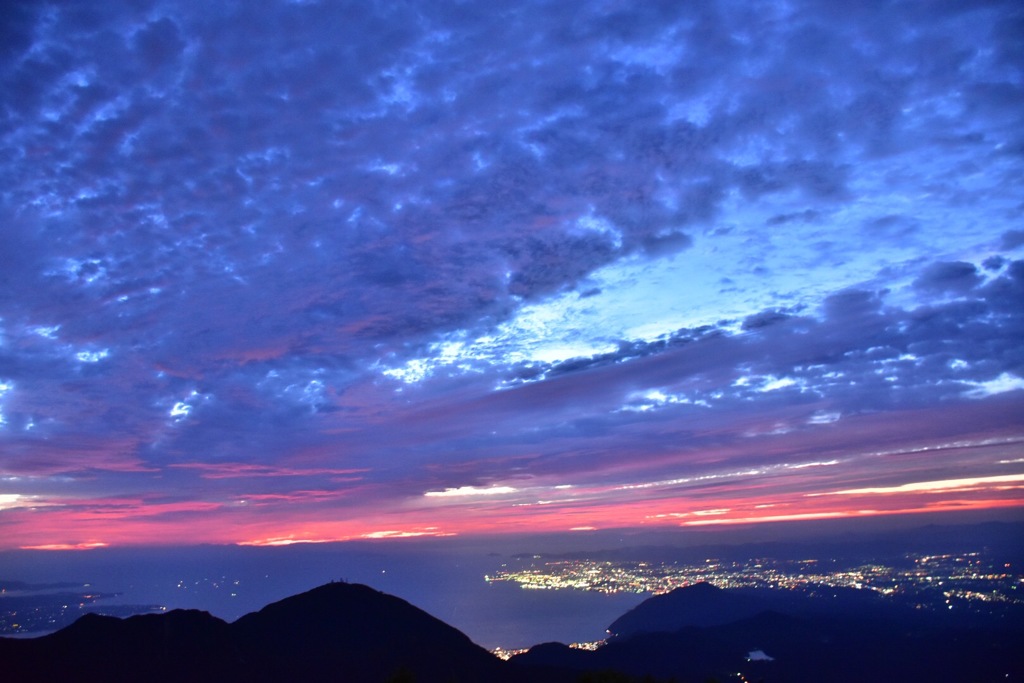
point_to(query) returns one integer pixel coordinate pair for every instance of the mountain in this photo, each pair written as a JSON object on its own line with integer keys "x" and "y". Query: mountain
{"x": 700, "y": 633}
{"x": 703, "y": 604}
{"x": 163, "y": 647}
{"x": 337, "y": 632}
{"x": 700, "y": 604}
{"x": 353, "y": 628}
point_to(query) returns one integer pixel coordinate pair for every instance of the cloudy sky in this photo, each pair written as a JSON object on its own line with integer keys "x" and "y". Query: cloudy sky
{"x": 295, "y": 271}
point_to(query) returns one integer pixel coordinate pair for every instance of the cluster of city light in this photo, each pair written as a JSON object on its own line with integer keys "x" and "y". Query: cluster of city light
{"x": 59, "y": 611}
{"x": 965, "y": 576}
{"x": 509, "y": 653}
{"x": 54, "y": 611}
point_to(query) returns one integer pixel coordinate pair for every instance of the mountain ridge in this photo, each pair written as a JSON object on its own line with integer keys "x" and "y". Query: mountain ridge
{"x": 337, "y": 627}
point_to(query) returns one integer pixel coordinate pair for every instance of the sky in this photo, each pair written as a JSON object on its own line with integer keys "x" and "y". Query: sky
{"x": 287, "y": 272}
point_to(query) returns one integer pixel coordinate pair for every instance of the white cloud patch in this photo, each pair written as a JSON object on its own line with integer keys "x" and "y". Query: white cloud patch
{"x": 464, "y": 491}
{"x": 9, "y": 500}
{"x": 966, "y": 483}
{"x": 824, "y": 417}
{"x": 1000, "y": 385}
{"x": 92, "y": 356}
{"x": 407, "y": 533}
{"x": 776, "y": 383}
{"x": 45, "y": 331}
{"x": 712, "y": 512}
{"x": 805, "y": 465}
{"x": 642, "y": 402}
{"x": 182, "y": 409}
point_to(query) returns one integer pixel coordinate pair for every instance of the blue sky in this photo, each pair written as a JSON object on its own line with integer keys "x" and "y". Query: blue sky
{"x": 299, "y": 271}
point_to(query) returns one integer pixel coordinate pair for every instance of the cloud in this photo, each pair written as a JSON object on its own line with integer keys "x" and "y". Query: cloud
{"x": 458, "y": 248}
{"x": 228, "y": 470}
{"x": 471, "y": 491}
{"x": 946, "y": 277}
{"x": 966, "y": 483}
{"x": 9, "y": 500}
{"x": 1004, "y": 382}
{"x": 1012, "y": 239}
{"x": 159, "y": 43}
{"x": 807, "y": 215}
{"x": 394, "y": 533}
{"x": 90, "y": 545}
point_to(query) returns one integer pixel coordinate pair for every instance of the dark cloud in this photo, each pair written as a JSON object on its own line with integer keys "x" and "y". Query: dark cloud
{"x": 159, "y": 43}
{"x": 669, "y": 243}
{"x": 892, "y": 226}
{"x": 16, "y": 24}
{"x": 994, "y": 263}
{"x": 764, "y": 319}
{"x": 949, "y": 277}
{"x": 852, "y": 305}
{"x": 1012, "y": 239}
{"x": 807, "y": 215}
{"x": 818, "y": 180}
{"x": 540, "y": 266}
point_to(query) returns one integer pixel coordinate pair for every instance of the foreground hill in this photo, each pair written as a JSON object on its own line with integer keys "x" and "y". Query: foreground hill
{"x": 701, "y": 633}
{"x": 703, "y": 604}
{"x": 337, "y": 632}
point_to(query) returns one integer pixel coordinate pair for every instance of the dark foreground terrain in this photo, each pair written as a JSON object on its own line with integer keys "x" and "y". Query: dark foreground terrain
{"x": 350, "y": 632}
{"x": 702, "y": 633}
{"x": 337, "y": 632}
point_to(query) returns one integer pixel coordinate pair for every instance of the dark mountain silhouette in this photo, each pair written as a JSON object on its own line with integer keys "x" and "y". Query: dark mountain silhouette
{"x": 703, "y": 604}
{"x": 700, "y": 604}
{"x": 337, "y": 632}
{"x": 353, "y": 628}
{"x": 701, "y": 633}
{"x": 171, "y": 646}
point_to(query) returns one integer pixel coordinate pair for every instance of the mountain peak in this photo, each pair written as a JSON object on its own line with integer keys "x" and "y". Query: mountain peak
{"x": 699, "y": 604}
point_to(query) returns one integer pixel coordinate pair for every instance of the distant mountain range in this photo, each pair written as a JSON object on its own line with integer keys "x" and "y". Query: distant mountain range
{"x": 353, "y": 633}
